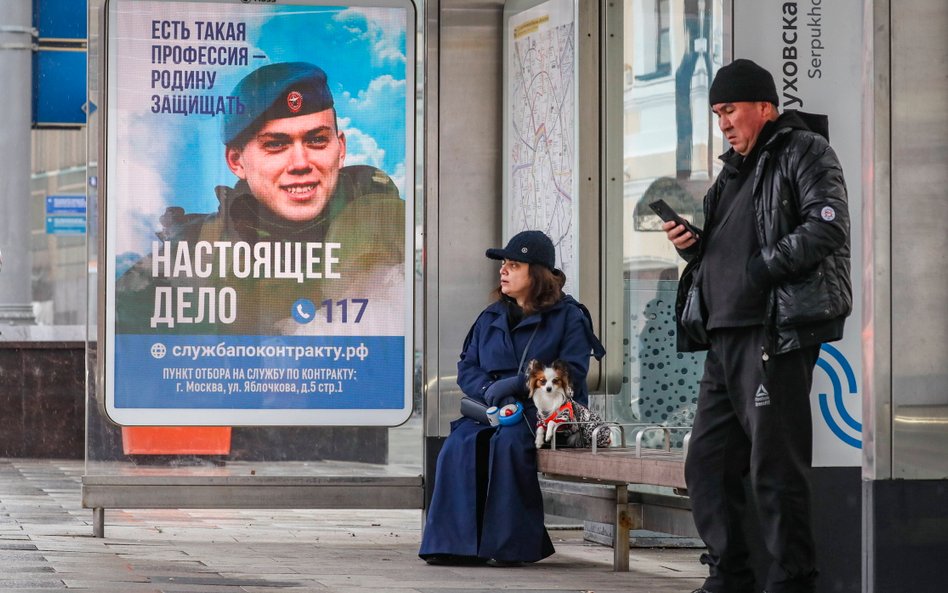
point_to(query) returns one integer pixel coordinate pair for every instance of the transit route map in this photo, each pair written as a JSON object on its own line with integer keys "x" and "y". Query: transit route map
{"x": 541, "y": 159}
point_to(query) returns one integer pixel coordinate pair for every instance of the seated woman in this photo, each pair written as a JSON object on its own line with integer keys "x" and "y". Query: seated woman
{"x": 486, "y": 505}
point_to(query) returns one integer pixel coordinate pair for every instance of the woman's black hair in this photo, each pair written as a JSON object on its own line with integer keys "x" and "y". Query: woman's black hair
{"x": 546, "y": 288}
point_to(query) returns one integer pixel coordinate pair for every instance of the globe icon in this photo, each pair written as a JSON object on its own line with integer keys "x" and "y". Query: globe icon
{"x": 158, "y": 350}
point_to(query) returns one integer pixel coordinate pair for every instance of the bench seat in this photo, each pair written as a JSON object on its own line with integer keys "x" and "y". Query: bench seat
{"x": 615, "y": 466}
{"x": 618, "y": 467}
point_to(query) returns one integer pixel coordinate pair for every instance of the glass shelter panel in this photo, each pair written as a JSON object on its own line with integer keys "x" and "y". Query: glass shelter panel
{"x": 671, "y": 48}
{"x": 116, "y": 453}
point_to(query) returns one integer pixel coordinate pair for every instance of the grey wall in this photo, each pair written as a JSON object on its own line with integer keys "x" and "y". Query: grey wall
{"x": 919, "y": 63}
{"x": 906, "y": 407}
{"x": 463, "y": 186}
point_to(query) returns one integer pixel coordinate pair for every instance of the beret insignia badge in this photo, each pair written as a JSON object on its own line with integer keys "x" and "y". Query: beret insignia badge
{"x": 294, "y": 101}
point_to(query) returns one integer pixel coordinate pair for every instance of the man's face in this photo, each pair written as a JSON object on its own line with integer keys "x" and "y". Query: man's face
{"x": 742, "y": 122}
{"x": 292, "y": 164}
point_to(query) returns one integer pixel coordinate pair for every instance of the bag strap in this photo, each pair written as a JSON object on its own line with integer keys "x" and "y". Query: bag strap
{"x": 526, "y": 348}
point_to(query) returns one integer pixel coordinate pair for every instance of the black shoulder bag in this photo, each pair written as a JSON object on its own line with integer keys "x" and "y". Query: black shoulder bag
{"x": 694, "y": 319}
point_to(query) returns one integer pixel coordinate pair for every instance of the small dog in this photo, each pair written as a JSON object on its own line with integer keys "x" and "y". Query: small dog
{"x": 552, "y": 393}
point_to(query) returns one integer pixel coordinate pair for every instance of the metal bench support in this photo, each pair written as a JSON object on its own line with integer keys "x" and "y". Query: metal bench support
{"x": 98, "y": 522}
{"x": 616, "y": 467}
{"x": 620, "y": 547}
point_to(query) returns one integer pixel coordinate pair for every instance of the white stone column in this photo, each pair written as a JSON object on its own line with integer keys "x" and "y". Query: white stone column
{"x": 16, "y": 41}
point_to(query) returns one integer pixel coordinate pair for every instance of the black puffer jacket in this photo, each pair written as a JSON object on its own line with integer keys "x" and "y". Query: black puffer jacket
{"x": 803, "y": 226}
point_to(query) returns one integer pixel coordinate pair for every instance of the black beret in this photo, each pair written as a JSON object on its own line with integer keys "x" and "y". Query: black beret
{"x": 742, "y": 80}
{"x": 276, "y": 91}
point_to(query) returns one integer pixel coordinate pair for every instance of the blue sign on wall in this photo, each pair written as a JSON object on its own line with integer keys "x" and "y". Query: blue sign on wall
{"x": 66, "y": 225}
{"x": 61, "y": 19}
{"x": 59, "y": 86}
{"x": 66, "y": 214}
{"x": 65, "y": 204}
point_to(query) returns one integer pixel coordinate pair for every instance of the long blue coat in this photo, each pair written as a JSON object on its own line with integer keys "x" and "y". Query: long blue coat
{"x": 487, "y": 500}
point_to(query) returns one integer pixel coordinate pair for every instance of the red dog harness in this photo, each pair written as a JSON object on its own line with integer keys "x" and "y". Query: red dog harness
{"x": 562, "y": 414}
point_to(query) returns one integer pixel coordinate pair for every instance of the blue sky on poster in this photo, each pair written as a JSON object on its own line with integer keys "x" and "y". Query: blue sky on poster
{"x": 178, "y": 160}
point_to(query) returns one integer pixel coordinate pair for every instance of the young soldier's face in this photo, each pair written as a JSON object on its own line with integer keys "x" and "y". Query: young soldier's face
{"x": 292, "y": 164}
{"x": 742, "y": 122}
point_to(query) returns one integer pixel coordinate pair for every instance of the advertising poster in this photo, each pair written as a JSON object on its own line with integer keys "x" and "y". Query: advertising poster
{"x": 258, "y": 212}
{"x": 814, "y": 49}
{"x": 541, "y": 157}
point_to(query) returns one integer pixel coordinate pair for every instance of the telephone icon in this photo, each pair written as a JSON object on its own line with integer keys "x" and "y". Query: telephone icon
{"x": 304, "y": 311}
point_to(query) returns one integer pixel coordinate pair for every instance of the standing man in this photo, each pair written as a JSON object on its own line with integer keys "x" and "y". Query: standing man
{"x": 293, "y": 194}
{"x": 771, "y": 273}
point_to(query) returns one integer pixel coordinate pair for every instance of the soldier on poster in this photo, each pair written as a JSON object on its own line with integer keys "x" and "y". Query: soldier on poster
{"x": 299, "y": 227}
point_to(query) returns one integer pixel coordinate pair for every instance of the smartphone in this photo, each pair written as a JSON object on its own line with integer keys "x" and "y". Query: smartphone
{"x": 666, "y": 213}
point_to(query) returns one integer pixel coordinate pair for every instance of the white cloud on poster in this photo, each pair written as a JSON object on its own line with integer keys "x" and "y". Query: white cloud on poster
{"x": 373, "y": 111}
{"x": 361, "y": 148}
{"x": 398, "y": 176}
{"x": 376, "y": 27}
{"x": 384, "y": 94}
{"x": 137, "y": 212}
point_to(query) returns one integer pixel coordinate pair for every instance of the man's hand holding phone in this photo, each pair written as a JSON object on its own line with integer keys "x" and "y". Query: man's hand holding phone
{"x": 680, "y": 236}
{"x": 678, "y": 230}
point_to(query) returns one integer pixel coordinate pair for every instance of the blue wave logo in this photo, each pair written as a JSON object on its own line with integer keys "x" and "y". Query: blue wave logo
{"x": 838, "y": 368}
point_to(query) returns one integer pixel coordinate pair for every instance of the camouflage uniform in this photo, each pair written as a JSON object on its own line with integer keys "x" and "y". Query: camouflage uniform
{"x": 365, "y": 216}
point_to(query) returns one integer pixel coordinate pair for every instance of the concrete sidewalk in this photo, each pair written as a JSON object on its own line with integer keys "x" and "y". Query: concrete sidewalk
{"x": 46, "y": 543}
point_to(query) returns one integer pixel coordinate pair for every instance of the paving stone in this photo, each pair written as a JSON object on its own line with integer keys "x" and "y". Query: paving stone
{"x": 46, "y": 544}
{"x": 20, "y": 583}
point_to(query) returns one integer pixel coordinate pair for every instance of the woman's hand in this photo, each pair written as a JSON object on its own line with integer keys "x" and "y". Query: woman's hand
{"x": 511, "y": 388}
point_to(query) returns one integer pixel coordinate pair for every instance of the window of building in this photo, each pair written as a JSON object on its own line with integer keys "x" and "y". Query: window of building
{"x": 671, "y": 48}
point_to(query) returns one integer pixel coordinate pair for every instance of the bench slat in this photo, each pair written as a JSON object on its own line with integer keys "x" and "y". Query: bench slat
{"x": 615, "y": 466}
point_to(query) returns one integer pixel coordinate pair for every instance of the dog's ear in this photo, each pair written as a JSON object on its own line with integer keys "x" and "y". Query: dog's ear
{"x": 532, "y": 369}
{"x": 560, "y": 367}
{"x": 534, "y": 366}
{"x": 562, "y": 370}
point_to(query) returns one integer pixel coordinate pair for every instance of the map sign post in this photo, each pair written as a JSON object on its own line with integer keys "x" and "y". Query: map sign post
{"x": 541, "y": 156}
{"x": 818, "y": 69}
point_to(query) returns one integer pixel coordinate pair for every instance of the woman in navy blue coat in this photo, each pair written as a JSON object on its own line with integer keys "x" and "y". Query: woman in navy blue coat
{"x": 486, "y": 505}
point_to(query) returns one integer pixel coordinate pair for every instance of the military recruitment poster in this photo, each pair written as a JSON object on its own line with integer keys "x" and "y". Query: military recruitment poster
{"x": 258, "y": 212}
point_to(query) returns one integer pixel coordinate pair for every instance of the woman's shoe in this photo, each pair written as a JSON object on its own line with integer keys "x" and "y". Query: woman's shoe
{"x": 453, "y": 560}
{"x": 503, "y": 563}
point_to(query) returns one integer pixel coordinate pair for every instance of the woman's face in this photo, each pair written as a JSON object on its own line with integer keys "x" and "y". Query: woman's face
{"x": 515, "y": 280}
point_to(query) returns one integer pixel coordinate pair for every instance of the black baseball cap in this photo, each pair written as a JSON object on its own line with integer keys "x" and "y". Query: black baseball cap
{"x": 531, "y": 247}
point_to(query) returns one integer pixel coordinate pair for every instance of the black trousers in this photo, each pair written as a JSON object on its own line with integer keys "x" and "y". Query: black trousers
{"x": 753, "y": 417}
